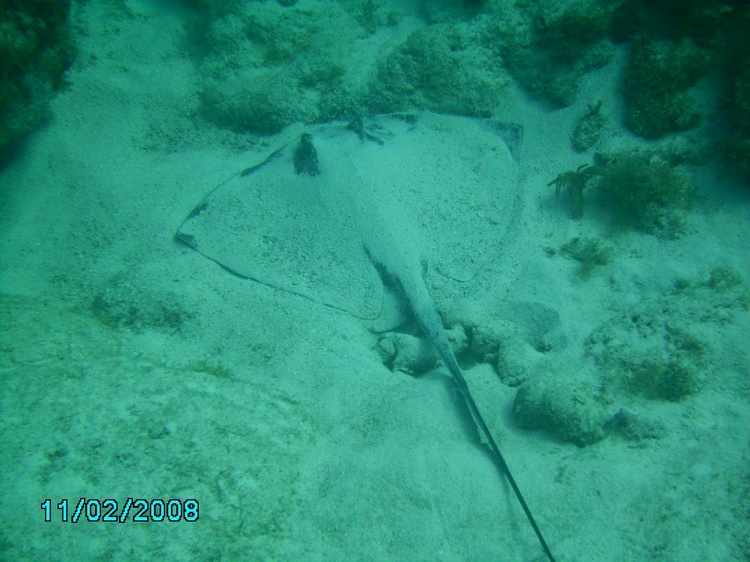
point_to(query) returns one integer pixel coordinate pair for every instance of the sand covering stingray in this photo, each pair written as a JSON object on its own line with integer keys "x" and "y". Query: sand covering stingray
{"x": 349, "y": 209}
{"x": 440, "y": 188}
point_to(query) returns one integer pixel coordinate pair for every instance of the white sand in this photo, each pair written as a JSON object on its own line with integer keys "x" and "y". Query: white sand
{"x": 278, "y": 415}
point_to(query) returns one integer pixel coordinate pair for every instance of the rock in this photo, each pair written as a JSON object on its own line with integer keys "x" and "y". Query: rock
{"x": 573, "y": 411}
{"x": 517, "y": 360}
{"x": 633, "y": 427}
{"x": 406, "y": 353}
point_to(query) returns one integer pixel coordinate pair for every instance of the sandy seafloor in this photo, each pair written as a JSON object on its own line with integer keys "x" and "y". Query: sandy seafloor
{"x": 278, "y": 415}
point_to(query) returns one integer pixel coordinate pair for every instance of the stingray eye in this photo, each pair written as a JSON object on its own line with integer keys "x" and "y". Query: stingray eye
{"x": 306, "y": 157}
{"x": 358, "y": 127}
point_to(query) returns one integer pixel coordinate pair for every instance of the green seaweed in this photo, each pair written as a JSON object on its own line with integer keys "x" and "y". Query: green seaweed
{"x": 700, "y": 20}
{"x": 569, "y": 37}
{"x": 590, "y": 253}
{"x": 574, "y": 183}
{"x": 651, "y": 351}
{"x": 717, "y": 32}
{"x": 724, "y": 279}
{"x": 553, "y": 51}
{"x": 657, "y": 86}
{"x": 670, "y": 380}
{"x": 648, "y": 190}
{"x": 735, "y": 146}
{"x": 36, "y": 48}
{"x": 214, "y": 367}
{"x": 127, "y": 303}
{"x": 675, "y": 377}
{"x": 589, "y": 128}
{"x": 437, "y": 68}
{"x": 649, "y": 193}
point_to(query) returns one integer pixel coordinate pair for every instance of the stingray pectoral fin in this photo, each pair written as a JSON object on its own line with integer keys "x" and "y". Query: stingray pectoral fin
{"x": 273, "y": 225}
{"x": 452, "y": 185}
{"x": 393, "y": 312}
{"x": 438, "y": 185}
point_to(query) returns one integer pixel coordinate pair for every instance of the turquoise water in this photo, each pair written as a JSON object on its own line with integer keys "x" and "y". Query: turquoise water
{"x": 603, "y": 333}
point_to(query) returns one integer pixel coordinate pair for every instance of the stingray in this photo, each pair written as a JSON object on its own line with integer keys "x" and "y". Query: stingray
{"x": 358, "y": 215}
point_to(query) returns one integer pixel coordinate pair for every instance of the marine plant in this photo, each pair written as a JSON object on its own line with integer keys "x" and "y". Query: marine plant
{"x": 36, "y": 47}
{"x": 552, "y": 50}
{"x": 589, "y": 128}
{"x": 670, "y": 380}
{"x": 651, "y": 351}
{"x": 570, "y": 36}
{"x": 437, "y": 68}
{"x": 590, "y": 253}
{"x": 574, "y": 183}
{"x": 712, "y": 33}
{"x": 657, "y": 86}
{"x": 735, "y": 146}
{"x": 650, "y": 194}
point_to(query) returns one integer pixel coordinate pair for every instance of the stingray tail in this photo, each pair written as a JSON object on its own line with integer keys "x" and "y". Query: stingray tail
{"x": 458, "y": 378}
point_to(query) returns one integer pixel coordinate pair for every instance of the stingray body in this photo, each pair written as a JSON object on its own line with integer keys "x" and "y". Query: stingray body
{"x": 437, "y": 189}
{"x": 349, "y": 214}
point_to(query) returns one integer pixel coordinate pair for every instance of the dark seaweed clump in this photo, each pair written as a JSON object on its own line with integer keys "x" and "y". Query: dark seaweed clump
{"x": 36, "y": 48}
{"x": 590, "y": 253}
{"x": 589, "y": 128}
{"x": 657, "y": 86}
{"x": 673, "y": 45}
{"x": 646, "y": 190}
{"x": 553, "y": 54}
{"x": 649, "y": 193}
